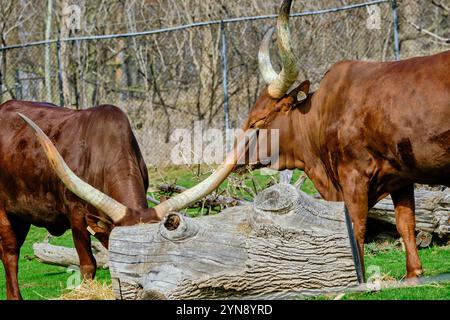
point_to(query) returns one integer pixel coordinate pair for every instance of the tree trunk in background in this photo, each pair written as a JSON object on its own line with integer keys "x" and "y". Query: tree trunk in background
{"x": 64, "y": 33}
{"x": 119, "y": 73}
{"x": 48, "y": 47}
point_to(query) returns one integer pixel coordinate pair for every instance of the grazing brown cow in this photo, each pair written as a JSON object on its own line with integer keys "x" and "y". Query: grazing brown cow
{"x": 100, "y": 147}
{"x": 371, "y": 129}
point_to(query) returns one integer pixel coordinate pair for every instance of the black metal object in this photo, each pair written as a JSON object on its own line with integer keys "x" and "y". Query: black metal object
{"x": 354, "y": 247}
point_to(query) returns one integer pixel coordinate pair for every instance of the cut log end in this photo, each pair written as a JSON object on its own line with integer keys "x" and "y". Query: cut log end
{"x": 423, "y": 239}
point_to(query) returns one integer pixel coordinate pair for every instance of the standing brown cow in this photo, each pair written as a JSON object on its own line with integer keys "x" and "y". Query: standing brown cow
{"x": 371, "y": 129}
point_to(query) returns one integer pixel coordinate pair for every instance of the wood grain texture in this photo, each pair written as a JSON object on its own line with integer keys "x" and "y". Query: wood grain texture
{"x": 285, "y": 242}
{"x": 62, "y": 256}
{"x": 432, "y": 211}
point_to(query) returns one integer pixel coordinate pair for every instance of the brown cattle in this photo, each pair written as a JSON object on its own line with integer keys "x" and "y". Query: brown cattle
{"x": 371, "y": 129}
{"x": 99, "y": 146}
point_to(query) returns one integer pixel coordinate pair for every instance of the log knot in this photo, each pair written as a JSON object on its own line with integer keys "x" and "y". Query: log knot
{"x": 278, "y": 199}
{"x": 177, "y": 227}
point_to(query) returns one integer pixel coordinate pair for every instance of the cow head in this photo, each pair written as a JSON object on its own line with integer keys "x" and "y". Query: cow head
{"x": 272, "y": 110}
{"x": 276, "y": 120}
{"x": 276, "y": 107}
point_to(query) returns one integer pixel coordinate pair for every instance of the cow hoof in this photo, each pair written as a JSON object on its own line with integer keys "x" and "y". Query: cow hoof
{"x": 414, "y": 274}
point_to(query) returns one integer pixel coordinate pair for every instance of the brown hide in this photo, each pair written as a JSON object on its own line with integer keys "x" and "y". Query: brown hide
{"x": 371, "y": 129}
{"x": 387, "y": 122}
{"x": 97, "y": 144}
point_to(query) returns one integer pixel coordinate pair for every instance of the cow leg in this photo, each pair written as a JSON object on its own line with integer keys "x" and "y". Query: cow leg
{"x": 12, "y": 234}
{"x": 406, "y": 223}
{"x": 82, "y": 242}
{"x": 356, "y": 199}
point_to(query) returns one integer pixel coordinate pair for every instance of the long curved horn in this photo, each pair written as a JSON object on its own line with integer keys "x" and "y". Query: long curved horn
{"x": 114, "y": 209}
{"x": 278, "y": 87}
{"x": 208, "y": 185}
{"x": 265, "y": 66}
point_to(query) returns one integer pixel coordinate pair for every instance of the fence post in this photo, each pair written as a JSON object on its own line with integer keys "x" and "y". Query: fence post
{"x": 60, "y": 78}
{"x": 395, "y": 23}
{"x": 225, "y": 85}
{"x": 19, "y": 92}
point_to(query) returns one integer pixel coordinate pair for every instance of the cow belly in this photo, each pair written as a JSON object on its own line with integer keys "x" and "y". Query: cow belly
{"x": 432, "y": 168}
{"x": 439, "y": 179}
{"x": 38, "y": 211}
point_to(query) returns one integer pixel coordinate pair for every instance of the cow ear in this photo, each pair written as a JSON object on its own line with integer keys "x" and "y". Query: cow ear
{"x": 300, "y": 93}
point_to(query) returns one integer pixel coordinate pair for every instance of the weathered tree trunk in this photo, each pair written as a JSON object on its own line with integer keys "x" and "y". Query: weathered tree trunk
{"x": 65, "y": 257}
{"x": 285, "y": 242}
{"x": 432, "y": 211}
{"x": 48, "y": 30}
{"x": 64, "y": 33}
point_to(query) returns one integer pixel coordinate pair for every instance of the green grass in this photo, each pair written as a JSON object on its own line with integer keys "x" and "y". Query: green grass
{"x": 436, "y": 291}
{"x": 40, "y": 281}
{"x": 391, "y": 265}
{"x": 435, "y": 260}
{"x": 243, "y": 186}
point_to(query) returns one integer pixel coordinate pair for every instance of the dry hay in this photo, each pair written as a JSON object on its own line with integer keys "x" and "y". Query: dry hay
{"x": 90, "y": 290}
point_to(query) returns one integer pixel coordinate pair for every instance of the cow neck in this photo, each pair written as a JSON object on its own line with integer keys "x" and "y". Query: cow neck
{"x": 307, "y": 133}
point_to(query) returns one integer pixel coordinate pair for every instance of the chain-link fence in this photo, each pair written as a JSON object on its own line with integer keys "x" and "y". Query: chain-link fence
{"x": 169, "y": 78}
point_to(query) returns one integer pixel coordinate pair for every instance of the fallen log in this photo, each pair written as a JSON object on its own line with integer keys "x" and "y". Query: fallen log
{"x": 285, "y": 242}
{"x": 62, "y": 256}
{"x": 432, "y": 209}
{"x": 432, "y": 213}
{"x": 432, "y": 218}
